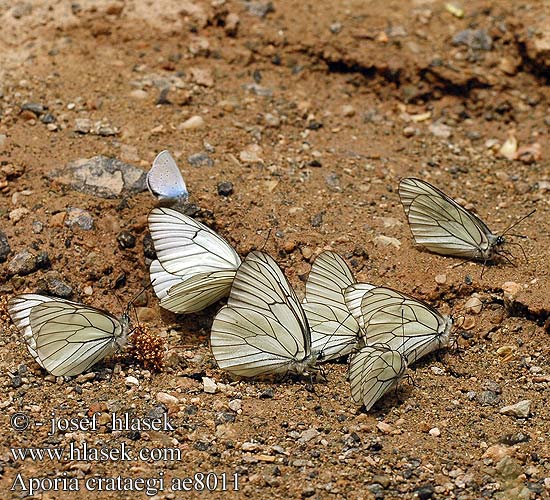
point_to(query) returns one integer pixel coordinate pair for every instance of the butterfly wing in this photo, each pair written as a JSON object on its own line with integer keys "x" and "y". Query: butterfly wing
{"x": 441, "y": 225}
{"x": 165, "y": 181}
{"x": 199, "y": 291}
{"x": 185, "y": 247}
{"x": 373, "y": 371}
{"x": 68, "y": 337}
{"x": 333, "y": 329}
{"x": 353, "y": 296}
{"x": 263, "y": 329}
{"x": 403, "y": 323}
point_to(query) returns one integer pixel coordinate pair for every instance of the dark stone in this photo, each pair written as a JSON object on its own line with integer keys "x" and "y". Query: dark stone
{"x": 202, "y": 445}
{"x": 308, "y": 492}
{"x": 317, "y": 220}
{"x": 149, "y": 247}
{"x": 516, "y": 438}
{"x": 34, "y": 107}
{"x": 126, "y": 239}
{"x": 47, "y": 118}
{"x": 475, "y": 39}
{"x": 314, "y": 125}
{"x": 157, "y": 411}
{"x": 191, "y": 410}
{"x": 200, "y": 160}
{"x": 23, "y": 263}
{"x": 315, "y": 163}
{"x": 259, "y": 9}
{"x": 267, "y": 394}
{"x": 77, "y": 217}
{"x": 488, "y": 398}
{"x": 101, "y": 176}
{"x": 5, "y": 248}
{"x": 16, "y": 381}
{"x": 225, "y": 188}
{"x": 58, "y": 287}
{"x": 120, "y": 281}
{"x": 163, "y": 97}
{"x": 425, "y": 492}
{"x": 224, "y": 418}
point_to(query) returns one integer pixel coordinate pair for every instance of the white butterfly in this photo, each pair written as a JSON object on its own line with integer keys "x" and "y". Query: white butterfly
{"x": 401, "y": 322}
{"x": 64, "y": 337}
{"x": 441, "y": 225}
{"x": 334, "y": 331}
{"x": 373, "y": 371}
{"x": 165, "y": 181}
{"x": 263, "y": 329}
{"x": 195, "y": 265}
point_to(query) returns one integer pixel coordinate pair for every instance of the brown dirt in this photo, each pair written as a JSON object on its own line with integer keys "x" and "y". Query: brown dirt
{"x": 390, "y": 62}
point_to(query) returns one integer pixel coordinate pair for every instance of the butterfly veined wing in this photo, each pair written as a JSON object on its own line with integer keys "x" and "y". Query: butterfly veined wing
{"x": 197, "y": 292}
{"x": 334, "y": 330}
{"x": 68, "y": 338}
{"x": 373, "y": 371}
{"x": 161, "y": 280}
{"x": 441, "y": 225}
{"x": 185, "y": 247}
{"x": 353, "y": 296}
{"x": 19, "y": 308}
{"x": 263, "y": 329}
{"x": 165, "y": 181}
{"x": 403, "y": 323}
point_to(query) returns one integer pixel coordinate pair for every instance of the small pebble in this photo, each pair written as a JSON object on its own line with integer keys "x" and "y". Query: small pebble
{"x": 131, "y": 381}
{"x": 518, "y": 410}
{"x": 77, "y": 217}
{"x": 23, "y": 263}
{"x": 168, "y": 399}
{"x": 194, "y": 122}
{"x": 386, "y": 241}
{"x": 441, "y": 279}
{"x": 473, "y": 305}
{"x": 83, "y": 125}
{"x": 251, "y": 154}
{"x": 348, "y": 110}
{"x": 225, "y": 188}
{"x": 434, "y": 432}
{"x": 511, "y": 289}
{"x": 200, "y": 160}
{"x": 439, "y": 129}
{"x": 17, "y": 214}
{"x": 272, "y": 120}
{"x": 126, "y": 239}
{"x": 209, "y": 385}
{"x": 409, "y": 131}
{"x": 384, "y": 427}
{"x": 5, "y": 248}
{"x": 235, "y": 405}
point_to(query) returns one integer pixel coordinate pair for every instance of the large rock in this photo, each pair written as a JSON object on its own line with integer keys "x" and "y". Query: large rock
{"x": 101, "y": 176}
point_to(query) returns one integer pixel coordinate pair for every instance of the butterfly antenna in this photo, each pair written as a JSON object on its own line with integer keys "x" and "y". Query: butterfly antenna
{"x": 266, "y": 239}
{"x": 518, "y": 221}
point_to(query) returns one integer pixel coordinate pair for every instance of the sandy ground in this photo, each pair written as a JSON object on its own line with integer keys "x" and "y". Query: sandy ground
{"x": 313, "y": 113}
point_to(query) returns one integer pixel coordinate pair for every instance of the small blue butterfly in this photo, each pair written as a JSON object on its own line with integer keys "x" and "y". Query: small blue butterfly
{"x": 165, "y": 181}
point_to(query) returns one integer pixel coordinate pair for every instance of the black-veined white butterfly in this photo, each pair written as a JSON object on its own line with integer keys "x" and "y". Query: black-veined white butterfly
{"x": 165, "y": 181}
{"x": 373, "y": 371}
{"x": 66, "y": 338}
{"x": 441, "y": 225}
{"x": 334, "y": 330}
{"x": 398, "y": 321}
{"x": 263, "y": 329}
{"x": 195, "y": 265}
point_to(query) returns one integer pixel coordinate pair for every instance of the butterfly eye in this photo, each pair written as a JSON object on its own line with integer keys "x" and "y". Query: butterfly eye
{"x": 500, "y": 241}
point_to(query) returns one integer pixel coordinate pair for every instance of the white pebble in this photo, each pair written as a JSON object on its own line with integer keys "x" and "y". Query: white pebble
{"x": 387, "y": 241}
{"x": 473, "y": 305}
{"x": 209, "y": 385}
{"x": 132, "y": 381}
{"x": 192, "y": 123}
{"x": 434, "y": 432}
{"x": 235, "y": 405}
{"x": 519, "y": 410}
{"x": 164, "y": 397}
